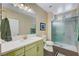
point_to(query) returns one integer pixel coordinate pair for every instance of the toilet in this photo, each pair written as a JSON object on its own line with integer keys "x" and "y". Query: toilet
{"x": 49, "y": 46}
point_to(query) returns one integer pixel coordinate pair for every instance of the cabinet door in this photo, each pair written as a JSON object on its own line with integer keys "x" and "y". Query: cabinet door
{"x": 31, "y": 52}
{"x": 40, "y": 48}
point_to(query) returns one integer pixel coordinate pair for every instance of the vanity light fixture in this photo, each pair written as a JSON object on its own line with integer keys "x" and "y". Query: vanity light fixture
{"x": 24, "y": 7}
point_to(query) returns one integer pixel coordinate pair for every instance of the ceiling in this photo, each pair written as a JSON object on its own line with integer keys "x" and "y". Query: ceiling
{"x": 54, "y": 8}
{"x": 16, "y": 9}
{"x": 57, "y": 8}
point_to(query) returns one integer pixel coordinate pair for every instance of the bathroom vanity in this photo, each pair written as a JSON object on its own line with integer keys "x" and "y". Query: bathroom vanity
{"x": 29, "y": 47}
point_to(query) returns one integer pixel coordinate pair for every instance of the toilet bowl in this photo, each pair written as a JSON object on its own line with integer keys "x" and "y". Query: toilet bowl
{"x": 48, "y": 46}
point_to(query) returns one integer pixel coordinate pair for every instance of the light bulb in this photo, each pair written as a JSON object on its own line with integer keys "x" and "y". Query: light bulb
{"x": 29, "y": 10}
{"x": 21, "y": 5}
{"x": 25, "y": 8}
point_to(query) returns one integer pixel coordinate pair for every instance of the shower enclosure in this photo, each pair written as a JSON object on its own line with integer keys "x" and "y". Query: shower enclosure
{"x": 65, "y": 31}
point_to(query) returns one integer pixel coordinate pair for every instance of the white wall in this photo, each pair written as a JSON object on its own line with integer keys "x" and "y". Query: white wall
{"x": 41, "y": 16}
{"x": 50, "y": 18}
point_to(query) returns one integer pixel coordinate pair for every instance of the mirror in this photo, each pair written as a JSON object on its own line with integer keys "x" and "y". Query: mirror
{"x": 21, "y": 21}
{"x": 26, "y": 20}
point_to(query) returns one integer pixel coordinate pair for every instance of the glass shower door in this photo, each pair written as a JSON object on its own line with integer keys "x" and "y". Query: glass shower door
{"x": 78, "y": 36}
{"x": 70, "y": 31}
{"x": 64, "y": 32}
{"x": 58, "y": 31}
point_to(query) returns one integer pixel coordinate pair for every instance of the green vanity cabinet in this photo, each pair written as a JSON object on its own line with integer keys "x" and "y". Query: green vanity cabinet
{"x": 33, "y": 49}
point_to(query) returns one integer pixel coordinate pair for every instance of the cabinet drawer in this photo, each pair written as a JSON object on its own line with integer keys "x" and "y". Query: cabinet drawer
{"x": 15, "y": 53}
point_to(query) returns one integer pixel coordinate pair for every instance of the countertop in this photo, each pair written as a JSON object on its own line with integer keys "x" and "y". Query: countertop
{"x": 12, "y": 45}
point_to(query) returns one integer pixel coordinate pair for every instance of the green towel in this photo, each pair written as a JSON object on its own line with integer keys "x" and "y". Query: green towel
{"x": 5, "y": 30}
